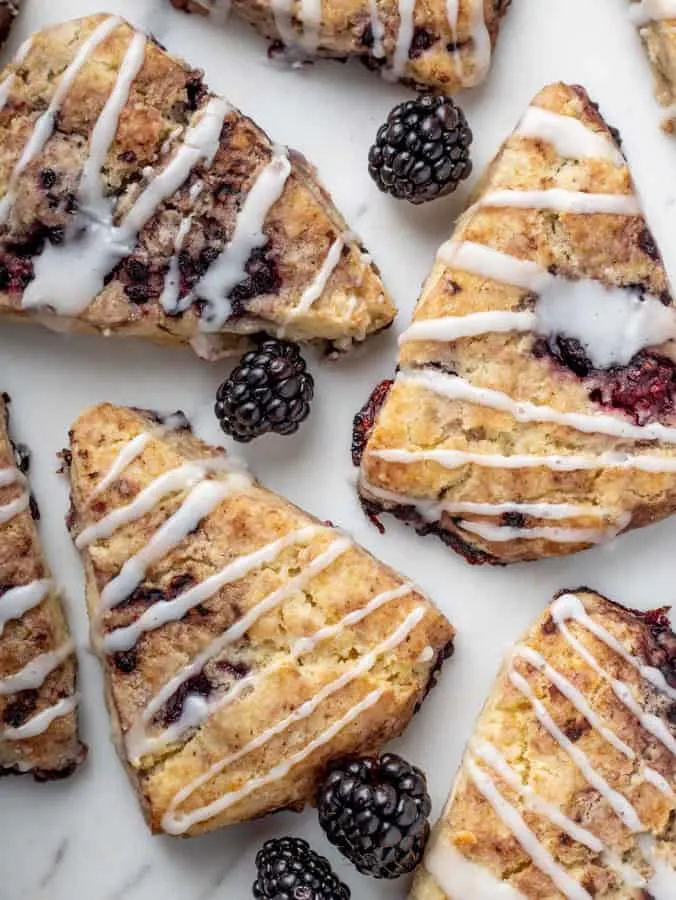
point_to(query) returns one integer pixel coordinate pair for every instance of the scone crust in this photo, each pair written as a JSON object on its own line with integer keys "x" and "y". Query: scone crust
{"x": 509, "y": 724}
{"x": 616, "y": 250}
{"x": 438, "y": 57}
{"x": 246, "y": 521}
{"x": 57, "y": 751}
{"x": 166, "y": 98}
{"x": 659, "y": 40}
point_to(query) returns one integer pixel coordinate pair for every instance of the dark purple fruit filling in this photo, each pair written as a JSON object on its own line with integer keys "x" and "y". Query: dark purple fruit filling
{"x": 365, "y": 419}
{"x": 422, "y": 41}
{"x": 173, "y": 710}
{"x": 20, "y": 708}
{"x": 644, "y": 389}
{"x": 125, "y": 661}
{"x": 262, "y": 278}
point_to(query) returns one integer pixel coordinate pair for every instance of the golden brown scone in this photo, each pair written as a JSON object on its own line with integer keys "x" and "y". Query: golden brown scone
{"x": 417, "y": 43}
{"x": 656, "y": 24}
{"x": 245, "y": 644}
{"x": 567, "y": 786}
{"x": 38, "y": 703}
{"x": 533, "y": 416}
{"x": 134, "y": 202}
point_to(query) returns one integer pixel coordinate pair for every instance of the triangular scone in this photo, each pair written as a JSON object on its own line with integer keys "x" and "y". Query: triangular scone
{"x": 431, "y": 44}
{"x": 134, "y": 202}
{"x": 245, "y": 644}
{"x": 567, "y": 788}
{"x": 38, "y": 703}
{"x": 656, "y": 24}
{"x": 533, "y": 411}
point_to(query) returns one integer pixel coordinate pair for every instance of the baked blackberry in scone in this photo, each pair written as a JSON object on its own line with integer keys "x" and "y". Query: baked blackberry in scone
{"x": 38, "y": 702}
{"x": 567, "y": 785}
{"x": 134, "y": 202}
{"x": 656, "y": 24}
{"x": 440, "y": 45}
{"x": 245, "y": 644}
{"x": 533, "y": 411}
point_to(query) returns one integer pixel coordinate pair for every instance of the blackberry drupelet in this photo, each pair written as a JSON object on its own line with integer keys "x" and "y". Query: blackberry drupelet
{"x": 270, "y": 390}
{"x": 288, "y": 869}
{"x": 422, "y": 150}
{"x": 375, "y": 811}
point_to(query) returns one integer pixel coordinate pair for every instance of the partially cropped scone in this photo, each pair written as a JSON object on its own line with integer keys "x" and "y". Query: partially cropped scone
{"x": 656, "y": 24}
{"x": 246, "y": 645}
{"x": 134, "y": 202}
{"x": 431, "y": 44}
{"x": 38, "y": 702}
{"x": 533, "y": 411}
{"x": 567, "y": 786}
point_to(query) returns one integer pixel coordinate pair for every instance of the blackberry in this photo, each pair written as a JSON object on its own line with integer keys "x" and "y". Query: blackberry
{"x": 422, "y": 150}
{"x": 288, "y": 869}
{"x": 269, "y": 390}
{"x": 375, "y": 812}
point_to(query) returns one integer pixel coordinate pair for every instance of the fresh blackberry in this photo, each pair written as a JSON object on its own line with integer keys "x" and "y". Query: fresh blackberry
{"x": 269, "y": 390}
{"x": 288, "y": 869}
{"x": 422, "y": 150}
{"x": 375, "y": 812}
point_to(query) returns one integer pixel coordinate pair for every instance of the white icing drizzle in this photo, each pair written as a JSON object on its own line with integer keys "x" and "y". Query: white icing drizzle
{"x": 564, "y": 201}
{"x": 314, "y": 291}
{"x": 202, "y": 500}
{"x": 219, "y": 12}
{"x": 41, "y": 722}
{"x": 406, "y": 11}
{"x": 179, "y": 479}
{"x": 658, "y": 781}
{"x": 479, "y": 259}
{"x": 570, "y": 606}
{"x": 452, "y": 14}
{"x": 458, "y": 876}
{"x": 510, "y": 816}
{"x": 129, "y": 452}
{"x": 229, "y": 267}
{"x": 618, "y": 803}
{"x": 570, "y": 137}
{"x": 17, "y": 601}
{"x": 11, "y": 475}
{"x": 453, "y": 387}
{"x": 175, "y": 823}
{"x": 646, "y": 11}
{"x": 136, "y": 741}
{"x": 481, "y": 41}
{"x": 8, "y": 83}
{"x": 662, "y": 886}
{"x": 452, "y": 328}
{"x": 500, "y": 533}
{"x": 162, "y": 612}
{"x": 101, "y": 245}
{"x": 454, "y": 459}
{"x": 377, "y": 30}
{"x": 44, "y": 126}
{"x": 311, "y": 18}
{"x": 34, "y": 673}
{"x": 281, "y": 11}
{"x": 169, "y": 298}
{"x": 9, "y": 510}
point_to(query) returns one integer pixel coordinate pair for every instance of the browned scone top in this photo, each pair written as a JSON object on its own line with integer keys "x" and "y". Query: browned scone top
{"x": 657, "y": 29}
{"x": 499, "y": 433}
{"x": 38, "y": 716}
{"x": 567, "y": 785}
{"x": 417, "y": 43}
{"x": 245, "y": 644}
{"x": 134, "y": 202}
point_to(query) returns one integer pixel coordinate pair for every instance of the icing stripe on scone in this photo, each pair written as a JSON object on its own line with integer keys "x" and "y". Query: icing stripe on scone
{"x": 174, "y": 822}
{"x": 502, "y": 533}
{"x": 102, "y": 245}
{"x": 164, "y": 611}
{"x": 458, "y": 876}
{"x": 138, "y": 741}
{"x": 564, "y": 201}
{"x": 34, "y": 673}
{"x": 8, "y": 82}
{"x": 377, "y": 30}
{"x": 481, "y": 43}
{"x": 17, "y": 601}
{"x": 509, "y": 815}
{"x": 646, "y": 11}
{"x": 617, "y": 801}
{"x": 316, "y": 288}
{"x": 571, "y": 138}
{"x": 455, "y": 459}
{"x": 9, "y": 510}
{"x": 131, "y": 451}
{"x": 405, "y": 31}
{"x": 479, "y": 259}
{"x": 170, "y": 296}
{"x": 44, "y": 126}
{"x": 39, "y": 723}
{"x": 229, "y": 267}
{"x": 453, "y": 387}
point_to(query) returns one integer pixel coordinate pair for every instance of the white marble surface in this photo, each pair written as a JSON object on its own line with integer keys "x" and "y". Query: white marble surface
{"x": 85, "y": 838}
